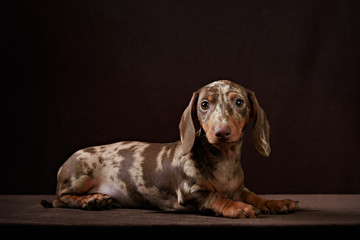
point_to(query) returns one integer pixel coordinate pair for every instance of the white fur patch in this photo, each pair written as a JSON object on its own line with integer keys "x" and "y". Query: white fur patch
{"x": 159, "y": 159}
{"x": 189, "y": 168}
{"x": 179, "y": 196}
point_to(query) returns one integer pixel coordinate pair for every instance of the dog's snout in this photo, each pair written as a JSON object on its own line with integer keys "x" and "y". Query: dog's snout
{"x": 222, "y": 132}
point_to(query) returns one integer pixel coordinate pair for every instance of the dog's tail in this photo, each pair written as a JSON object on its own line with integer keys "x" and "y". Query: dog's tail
{"x": 46, "y": 204}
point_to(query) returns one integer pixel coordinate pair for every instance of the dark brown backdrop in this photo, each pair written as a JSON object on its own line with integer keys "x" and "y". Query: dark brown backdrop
{"x": 82, "y": 73}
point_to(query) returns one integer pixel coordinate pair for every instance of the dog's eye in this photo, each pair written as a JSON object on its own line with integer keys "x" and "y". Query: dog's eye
{"x": 205, "y": 105}
{"x": 239, "y": 102}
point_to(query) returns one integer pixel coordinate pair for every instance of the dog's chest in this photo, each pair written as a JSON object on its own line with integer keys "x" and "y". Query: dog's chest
{"x": 227, "y": 176}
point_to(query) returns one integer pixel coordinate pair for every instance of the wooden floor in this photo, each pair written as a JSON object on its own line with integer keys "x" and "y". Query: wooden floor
{"x": 324, "y": 214}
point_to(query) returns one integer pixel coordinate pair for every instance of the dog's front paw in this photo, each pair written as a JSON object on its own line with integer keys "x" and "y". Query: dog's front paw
{"x": 279, "y": 206}
{"x": 240, "y": 210}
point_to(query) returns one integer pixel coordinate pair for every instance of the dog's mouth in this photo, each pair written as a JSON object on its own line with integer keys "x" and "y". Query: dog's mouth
{"x": 221, "y": 145}
{"x": 227, "y": 147}
{"x": 224, "y": 142}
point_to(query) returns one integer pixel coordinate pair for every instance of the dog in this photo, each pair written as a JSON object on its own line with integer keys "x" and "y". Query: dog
{"x": 201, "y": 172}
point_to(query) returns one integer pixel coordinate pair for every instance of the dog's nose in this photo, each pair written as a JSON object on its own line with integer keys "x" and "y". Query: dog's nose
{"x": 222, "y": 132}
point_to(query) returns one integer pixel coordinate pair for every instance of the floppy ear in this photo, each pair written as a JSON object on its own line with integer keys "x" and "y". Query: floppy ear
{"x": 187, "y": 127}
{"x": 261, "y": 131}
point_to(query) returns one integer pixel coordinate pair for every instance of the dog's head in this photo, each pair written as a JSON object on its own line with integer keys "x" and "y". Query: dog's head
{"x": 223, "y": 109}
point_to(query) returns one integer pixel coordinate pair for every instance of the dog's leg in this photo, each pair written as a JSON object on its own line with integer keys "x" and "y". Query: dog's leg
{"x": 75, "y": 181}
{"x": 75, "y": 194}
{"x": 269, "y": 206}
{"x": 223, "y": 206}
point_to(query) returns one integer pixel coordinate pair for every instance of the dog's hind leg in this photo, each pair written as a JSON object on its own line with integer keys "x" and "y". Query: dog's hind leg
{"x": 93, "y": 201}
{"x": 76, "y": 194}
{"x": 76, "y": 178}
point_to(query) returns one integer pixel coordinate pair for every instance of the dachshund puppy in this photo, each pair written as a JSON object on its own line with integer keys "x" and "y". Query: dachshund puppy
{"x": 201, "y": 172}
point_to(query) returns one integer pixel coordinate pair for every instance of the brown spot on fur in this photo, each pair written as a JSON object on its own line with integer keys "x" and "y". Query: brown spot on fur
{"x": 149, "y": 167}
{"x": 86, "y": 170}
{"x": 90, "y": 172}
{"x": 115, "y": 163}
{"x": 124, "y": 174}
{"x": 165, "y": 177}
{"x": 90, "y": 150}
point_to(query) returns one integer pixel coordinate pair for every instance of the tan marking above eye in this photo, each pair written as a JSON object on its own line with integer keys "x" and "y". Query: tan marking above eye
{"x": 210, "y": 98}
{"x": 232, "y": 96}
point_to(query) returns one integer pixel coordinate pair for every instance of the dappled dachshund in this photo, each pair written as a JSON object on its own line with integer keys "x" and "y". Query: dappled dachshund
{"x": 201, "y": 172}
